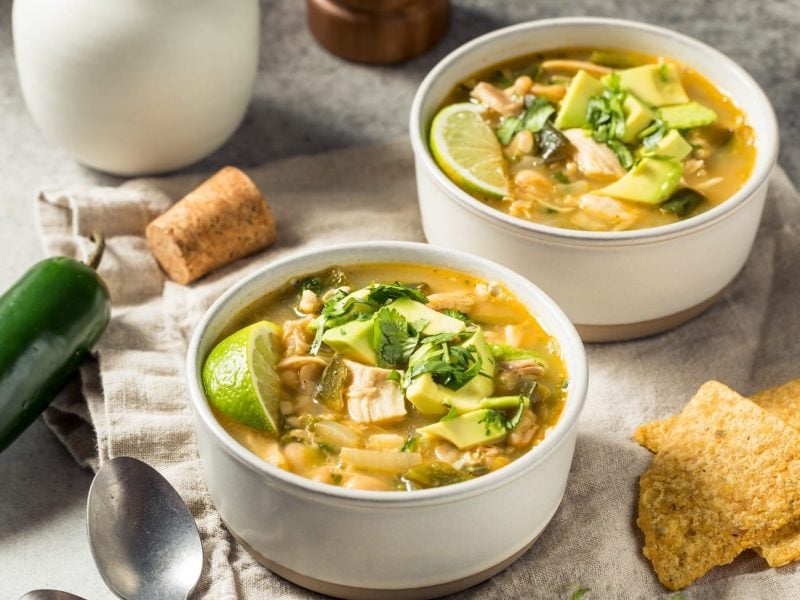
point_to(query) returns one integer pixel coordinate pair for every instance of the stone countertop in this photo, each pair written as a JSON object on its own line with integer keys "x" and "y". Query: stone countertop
{"x": 305, "y": 101}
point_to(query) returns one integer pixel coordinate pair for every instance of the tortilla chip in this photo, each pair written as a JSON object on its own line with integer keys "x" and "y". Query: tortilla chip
{"x": 726, "y": 478}
{"x": 783, "y": 546}
{"x": 652, "y": 435}
{"x": 782, "y": 401}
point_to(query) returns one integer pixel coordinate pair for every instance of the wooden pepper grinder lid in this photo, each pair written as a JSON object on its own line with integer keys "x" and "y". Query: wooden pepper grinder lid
{"x": 378, "y": 31}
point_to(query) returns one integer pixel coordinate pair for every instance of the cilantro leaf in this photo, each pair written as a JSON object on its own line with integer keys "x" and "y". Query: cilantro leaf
{"x": 393, "y": 339}
{"x": 508, "y": 129}
{"x": 381, "y": 293}
{"x": 537, "y": 114}
{"x": 457, "y": 314}
{"x": 309, "y": 283}
{"x": 410, "y": 444}
{"x": 450, "y": 366}
{"x": 561, "y": 178}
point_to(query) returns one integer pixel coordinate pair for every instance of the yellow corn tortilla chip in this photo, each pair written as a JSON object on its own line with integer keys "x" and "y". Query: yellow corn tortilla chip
{"x": 783, "y": 401}
{"x": 652, "y": 435}
{"x": 724, "y": 480}
{"x": 783, "y": 546}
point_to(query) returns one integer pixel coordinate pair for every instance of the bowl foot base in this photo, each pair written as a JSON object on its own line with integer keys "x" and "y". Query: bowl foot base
{"x": 631, "y": 331}
{"x": 358, "y": 593}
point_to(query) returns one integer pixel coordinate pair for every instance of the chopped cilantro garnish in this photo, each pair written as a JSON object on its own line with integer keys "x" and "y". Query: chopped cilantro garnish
{"x": 536, "y": 114}
{"x": 410, "y": 444}
{"x": 450, "y": 366}
{"x": 393, "y": 338}
{"x": 381, "y": 293}
{"x": 457, "y": 314}
{"x": 579, "y": 593}
{"x": 313, "y": 284}
{"x": 560, "y": 177}
{"x": 606, "y": 118}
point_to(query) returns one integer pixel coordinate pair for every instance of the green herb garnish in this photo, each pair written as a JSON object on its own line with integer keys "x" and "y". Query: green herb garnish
{"x": 381, "y": 293}
{"x": 450, "y": 366}
{"x": 394, "y": 339}
{"x": 561, "y": 178}
{"x": 683, "y": 202}
{"x": 410, "y": 444}
{"x": 457, "y": 314}
{"x": 534, "y": 118}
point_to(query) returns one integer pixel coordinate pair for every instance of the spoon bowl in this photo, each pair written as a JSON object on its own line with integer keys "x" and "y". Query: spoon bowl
{"x": 50, "y": 595}
{"x": 143, "y": 538}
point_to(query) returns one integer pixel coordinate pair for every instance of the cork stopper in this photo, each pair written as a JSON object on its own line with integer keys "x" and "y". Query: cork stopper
{"x": 378, "y": 31}
{"x": 222, "y": 220}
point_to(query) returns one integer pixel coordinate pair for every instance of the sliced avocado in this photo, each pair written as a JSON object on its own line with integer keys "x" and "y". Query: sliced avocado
{"x": 674, "y": 145}
{"x": 651, "y": 181}
{"x": 497, "y": 402}
{"x": 656, "y": 85}
{"x": 472, "y": 429}
{"x": 686, "y": 116}
{"x": 437, "y": 322}
{"x": 430, "y": 398}
{"x": 572, "y": 112}
{"x": 637, "y": 117}
{"x": 353, "y": 340}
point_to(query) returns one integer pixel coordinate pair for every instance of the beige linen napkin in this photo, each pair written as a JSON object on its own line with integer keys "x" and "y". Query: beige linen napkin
{"x": 132, "y": 401}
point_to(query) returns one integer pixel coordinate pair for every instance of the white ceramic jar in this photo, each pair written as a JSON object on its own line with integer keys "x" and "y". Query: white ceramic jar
{"x": 384, "y": 545}
{"x": 133, "y": 87}
{"x": 613, "y": 285}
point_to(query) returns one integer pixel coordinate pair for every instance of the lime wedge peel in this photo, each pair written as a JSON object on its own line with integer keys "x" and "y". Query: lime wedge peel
{"x": 467, "y": 150}
{"x": 240, "y": 377}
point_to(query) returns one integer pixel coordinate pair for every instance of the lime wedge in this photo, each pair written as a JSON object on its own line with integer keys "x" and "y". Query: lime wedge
{"x": 467, "y": 150}
{"x": 240, "y": 377}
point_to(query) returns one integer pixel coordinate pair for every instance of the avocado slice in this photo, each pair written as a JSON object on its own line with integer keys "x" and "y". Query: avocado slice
{"x": 496, "y": 402}
{"x": 472, "y": 429}
{"x": 651, "y": 181}
{"x": 572, "y": 112}
{"x": 353, "y": 340}
{"x": 656, "y": 85}
{"x": 430, "y": 398}
{"x": 687, "y": 115}
{"x": 637, "y": 117}
{"x": 674, "y": 145}
{"x": 437, "y": 322}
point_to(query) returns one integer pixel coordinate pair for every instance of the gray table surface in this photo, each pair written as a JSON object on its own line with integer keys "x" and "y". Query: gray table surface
{"x": 42, "y": 491}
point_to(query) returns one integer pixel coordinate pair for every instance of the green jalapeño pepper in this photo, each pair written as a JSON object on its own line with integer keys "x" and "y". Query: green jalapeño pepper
{"x": 49, "y": 320}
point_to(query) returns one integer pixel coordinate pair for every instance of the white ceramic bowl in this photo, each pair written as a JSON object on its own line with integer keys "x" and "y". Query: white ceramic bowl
{"x": 137, "y": 87}
{"x": 366, "y": 544}
{"x": 612, "y": 285}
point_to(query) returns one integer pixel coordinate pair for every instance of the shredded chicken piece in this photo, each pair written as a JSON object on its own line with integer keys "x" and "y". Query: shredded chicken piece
{"x": 452, "y": 301}
{"x": 496, "y": 99}
{"x": 693, "y": 166}
{"x": 522, "y": 436}
{"x": 574, "y": 66}
{"x": 297, "y": 336}
{"x": 524, "y": 367}
{"x": 510, "y": 373}
{"x": 309, "y": 303}
{"x": 554, "y": 93}
{"x": 594, "y": 159}
{"x": 607, "y": 212}
{"x": 371, "y": 397}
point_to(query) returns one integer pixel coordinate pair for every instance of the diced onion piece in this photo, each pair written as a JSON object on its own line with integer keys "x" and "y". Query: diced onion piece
{"x": 336, "y": 434}
{"x": 377, "y": 460}
{"x": 385, "y": 441}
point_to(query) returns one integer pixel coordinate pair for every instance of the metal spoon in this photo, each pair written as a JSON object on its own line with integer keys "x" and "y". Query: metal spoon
{"x": 50, "y": 595}
{"x": 143, "y": 538}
